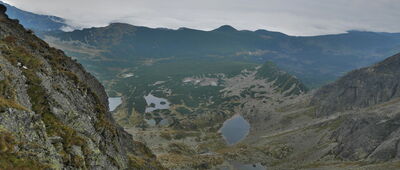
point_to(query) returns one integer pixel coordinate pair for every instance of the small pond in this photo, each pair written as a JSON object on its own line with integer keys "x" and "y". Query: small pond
{"x": 114, "y": 102}
{"x": 156, "y": 103}
{"x": 235, "y": 129}
{"x": 150, "y": 122}
{"x": 153, "y": 122}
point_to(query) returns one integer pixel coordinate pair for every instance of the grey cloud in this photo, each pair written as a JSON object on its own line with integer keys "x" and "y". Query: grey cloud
{"x": 294, "y": 17}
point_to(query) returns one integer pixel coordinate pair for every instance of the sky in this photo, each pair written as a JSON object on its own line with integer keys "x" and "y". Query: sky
{"x": 293, "y": 17}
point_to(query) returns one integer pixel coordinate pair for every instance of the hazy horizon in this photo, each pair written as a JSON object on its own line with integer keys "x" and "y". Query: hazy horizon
{"x": 297, "y": 17}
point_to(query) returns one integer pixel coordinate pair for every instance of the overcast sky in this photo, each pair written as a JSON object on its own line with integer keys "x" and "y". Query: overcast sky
{"x": 293, "y": 17}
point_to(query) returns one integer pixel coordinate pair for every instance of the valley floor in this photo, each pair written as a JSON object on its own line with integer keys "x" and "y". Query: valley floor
{"x": 290, "y": 137}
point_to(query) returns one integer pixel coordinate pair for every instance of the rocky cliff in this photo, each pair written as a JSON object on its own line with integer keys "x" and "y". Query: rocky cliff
{"x": 368, "y": 101}
{"x": 53, "y": 114}
{"x": 370, "y": 135}
{"x": 361, "y": 88}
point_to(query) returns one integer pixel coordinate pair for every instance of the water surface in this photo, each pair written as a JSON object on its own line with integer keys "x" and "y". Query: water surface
{"x": 159, "y": 103}
{"x": 235, "y": 129}
{"x": 114, "y": 102}
{"x": 150, "y": 122}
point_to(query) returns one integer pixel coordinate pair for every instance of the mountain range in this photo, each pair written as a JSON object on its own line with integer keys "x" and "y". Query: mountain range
{"x": 315, "y": 60}
{"x": 320, "y": 102}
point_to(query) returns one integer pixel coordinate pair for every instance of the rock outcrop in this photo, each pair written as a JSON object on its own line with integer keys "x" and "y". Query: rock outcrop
{"x": 53, "y": 114}
{"x": 360, "y": 88}
{"x": 368, "y": 137}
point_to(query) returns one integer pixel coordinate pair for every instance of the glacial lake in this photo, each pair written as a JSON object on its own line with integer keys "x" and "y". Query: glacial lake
{"x": 153, "y": 122}
{"x": 114, "y": 102}
{"x": 159, "y": 103}
{"x": 235, "y": 129}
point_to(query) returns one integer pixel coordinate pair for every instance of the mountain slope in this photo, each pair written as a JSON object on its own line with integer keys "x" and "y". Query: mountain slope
{"x": 352, "y": 123}
{"x": 38, "y": 23}
{"x": 282, "y": 80}
{"x": 336, "y": 127}
{"x": 371, "y": 97}
{"x": 315, "y": 60}
{"x": 361, "y": 88}
{"x": 53, "y": 113}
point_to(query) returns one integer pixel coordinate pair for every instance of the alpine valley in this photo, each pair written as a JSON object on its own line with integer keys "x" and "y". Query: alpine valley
{"x": 193, "y": 99}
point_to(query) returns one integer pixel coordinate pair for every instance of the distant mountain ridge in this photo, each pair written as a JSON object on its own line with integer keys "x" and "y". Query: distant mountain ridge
{"x": 315, "y": 60}
{"x": 36, "y": 22}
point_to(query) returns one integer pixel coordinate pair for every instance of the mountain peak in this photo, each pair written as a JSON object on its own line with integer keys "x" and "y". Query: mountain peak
{"x": 119, "y": 24}
{"x": 266, "y": 32}
{"x": 225, "y": 28}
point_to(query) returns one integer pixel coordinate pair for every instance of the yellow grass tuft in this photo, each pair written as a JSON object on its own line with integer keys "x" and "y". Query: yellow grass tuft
{"x": 6, "y": 103}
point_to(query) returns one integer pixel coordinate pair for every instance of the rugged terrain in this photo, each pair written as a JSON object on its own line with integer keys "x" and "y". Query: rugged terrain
{"x": 314, "y": 130}
{"x": 53, "y": 113}
{"x": 371, "y": 133}
{"x": 352, "y": 123}
{"x": 207, "y": 77}
{"x": 207, "y": 82}
{"x": 189, "y": 137}
{"x": 361, "y": 88}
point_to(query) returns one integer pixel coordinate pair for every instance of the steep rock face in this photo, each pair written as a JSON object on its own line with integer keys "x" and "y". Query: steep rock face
{"x": 361, "y": 88}
{"x": 368, "y": 137}
{"x": 53, "y": 114}
{"x": 368, "y": 100}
